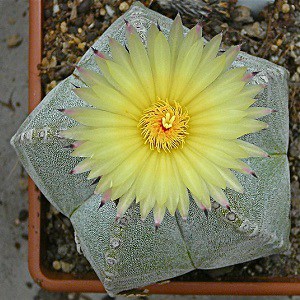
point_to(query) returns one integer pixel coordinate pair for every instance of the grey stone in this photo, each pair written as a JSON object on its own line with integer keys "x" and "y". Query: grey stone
{"x": 242, "y": 14}
{"x": 261, "y": 224}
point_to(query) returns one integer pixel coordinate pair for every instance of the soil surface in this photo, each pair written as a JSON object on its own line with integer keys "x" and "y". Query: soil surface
{"x": 71, "y": 27}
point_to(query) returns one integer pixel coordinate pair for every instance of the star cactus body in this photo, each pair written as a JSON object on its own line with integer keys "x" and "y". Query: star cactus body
{"x": 165, "y": 122}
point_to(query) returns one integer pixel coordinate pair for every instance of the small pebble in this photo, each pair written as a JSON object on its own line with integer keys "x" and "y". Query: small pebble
{"x": 14, "y": 41}
{"x": 123, "y": 6}
{"x": 109, "y": 10}
{"x": 285, "y": 8}
{"x": 66, "y": 267}
{"x": 50, "y": 86}
{"x": 84, "y": 6}
{"x": 258, "y": 268}
{"x": 274, "y": 48}
{"x": 56, "y": 265}
{"x": 102, "y": 12}
{"x": 56, "y": 8}
{"x": 81, "y": 46}
{"x": 279, "y": 42}
{"x": 63, "y": 27}
{"x": 71, "y": 296}
{"x": 242, "y": 14}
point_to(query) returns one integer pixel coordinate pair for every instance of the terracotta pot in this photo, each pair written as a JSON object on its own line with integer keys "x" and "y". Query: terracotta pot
{"x": 56, "y": 281}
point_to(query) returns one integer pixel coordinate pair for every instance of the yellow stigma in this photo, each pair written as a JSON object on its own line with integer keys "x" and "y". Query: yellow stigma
{"x": 167, "y": 121}
{"x": 164, "y": 126}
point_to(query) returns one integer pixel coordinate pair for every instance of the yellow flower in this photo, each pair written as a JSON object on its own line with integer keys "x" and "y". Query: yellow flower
{"x": 165, "y": 122}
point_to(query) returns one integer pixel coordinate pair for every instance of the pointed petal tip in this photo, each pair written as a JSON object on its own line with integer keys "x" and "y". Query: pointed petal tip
{"x": 228, "y": 207}
{"x": 239, "y": 47}
{"x": 61, "y": 109}
{"x": 94, "y": 50}
{"x": 76, "y": 86}
{"x": 71, "y": 146}
{"x": 72, "y": 172}
{"x": 79, "y": 69}
{"x": 98, "y": 53}
{"x": 253, "y": 174}
{"x": 129, "y": 27}
{"x": 69, "y": 111}
{"x": 118, "y": 216}
{"x": 96, "y": 180}
{"x": 249, "y": 76}
{"x": 156, "y": 225}
{"x": 184, "y": 219}
{"x": 205, "y": 212}
{"x": 158, "y": 26}
{"x": 101, "y": 204}
{"x": 199, "y": 27}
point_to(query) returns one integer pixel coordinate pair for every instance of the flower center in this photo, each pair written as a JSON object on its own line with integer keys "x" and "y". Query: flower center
{"x": 164, "y": 126}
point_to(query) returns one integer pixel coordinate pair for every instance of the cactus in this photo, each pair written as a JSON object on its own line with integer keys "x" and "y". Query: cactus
{"x": 128, "y": 253}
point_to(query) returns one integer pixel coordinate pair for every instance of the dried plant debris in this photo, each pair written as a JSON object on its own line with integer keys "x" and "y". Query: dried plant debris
{"x": 71, "y": 27}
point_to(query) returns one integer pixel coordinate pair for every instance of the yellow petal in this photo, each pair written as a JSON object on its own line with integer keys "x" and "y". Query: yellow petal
{"x": 161, "y": 188}
{"x": 120, "y": 190}
{"x": 161, "y": 66}
{"x": 251, "y": 149}
{"x": 102, "y": 64}
{"x": 141, "y": 64}
{"x": 211, "y": 49}
{"x": 129, "y": 84}
{"x": 145, "y": 182}
{"x": 124, "y": 203}
{"x": 258, "y": 112}
{"x": 231, "y": 54}
{"x": 214, "y": 96}
{"x": 146, "y": 205}
{"x": 215, "y": 116}
{"x": 210, "y": 143}
{"x": 191, "y": 178}
{"x": 186, "y": 65}
{"x": 151, "y": 37}
{"x": 133, "y": 163}
{"x": 231, "y": 181}
{"x": 203, "y": 78}
{"x": 175, "y": 39}
{"x": 205, "y": 168}
{"x": 99, "y": 118}
{"x": 159, "y": 213}
{"x": 218, "y": 195}
{"x": 119, "y": 53}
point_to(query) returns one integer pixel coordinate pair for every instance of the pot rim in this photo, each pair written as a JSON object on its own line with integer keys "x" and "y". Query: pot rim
{"x": 60, "y": 282}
